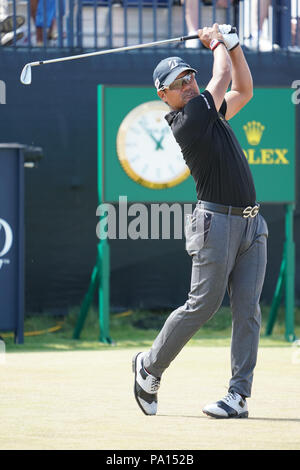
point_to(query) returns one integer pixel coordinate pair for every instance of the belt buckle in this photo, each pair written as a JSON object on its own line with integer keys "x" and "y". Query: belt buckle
{"x": 250, "y": 211}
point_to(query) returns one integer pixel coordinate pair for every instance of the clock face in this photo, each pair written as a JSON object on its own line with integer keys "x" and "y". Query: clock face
{"x": 147, "y": 149}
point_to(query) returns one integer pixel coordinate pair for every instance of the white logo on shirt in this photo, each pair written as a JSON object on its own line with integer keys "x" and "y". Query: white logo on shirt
{"x": 205, "y": 99}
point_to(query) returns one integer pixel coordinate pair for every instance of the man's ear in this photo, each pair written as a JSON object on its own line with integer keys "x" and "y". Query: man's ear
{"x": 162, "y": 95}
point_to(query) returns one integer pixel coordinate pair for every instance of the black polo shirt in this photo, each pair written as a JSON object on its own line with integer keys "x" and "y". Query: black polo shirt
{"x": 212, "y": 152}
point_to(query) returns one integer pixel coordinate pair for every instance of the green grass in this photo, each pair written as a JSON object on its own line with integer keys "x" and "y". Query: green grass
{"x": 138, "y": 329}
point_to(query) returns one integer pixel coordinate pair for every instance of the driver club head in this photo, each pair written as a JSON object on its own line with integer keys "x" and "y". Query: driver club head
{"x": 26, "y": 75}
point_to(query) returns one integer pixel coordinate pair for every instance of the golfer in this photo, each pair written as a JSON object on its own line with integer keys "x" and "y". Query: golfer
{"x": 225, "y": 236}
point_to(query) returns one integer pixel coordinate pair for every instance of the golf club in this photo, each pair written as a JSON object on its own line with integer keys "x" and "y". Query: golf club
{"x": 26, "y": 75}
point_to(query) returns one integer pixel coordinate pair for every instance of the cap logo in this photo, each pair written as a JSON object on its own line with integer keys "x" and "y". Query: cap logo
{"x": 172, "y": 64}
{"x": 157, "y": 83}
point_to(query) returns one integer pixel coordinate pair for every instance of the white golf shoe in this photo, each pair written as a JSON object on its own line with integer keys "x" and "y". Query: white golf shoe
{"x": 145, "y": 386}
{"x": 231, "y": 406}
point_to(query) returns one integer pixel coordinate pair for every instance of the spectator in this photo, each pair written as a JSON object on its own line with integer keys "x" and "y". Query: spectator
{"x": 295, "y": 26}
{"x": 7, "y": 25}
{"x": 260, "y": 13}
{"x": 192, "y": 16}
{"x": 258, "y": 10}
{"x": 253, "y": 8}
{"x": 37, "y": 14}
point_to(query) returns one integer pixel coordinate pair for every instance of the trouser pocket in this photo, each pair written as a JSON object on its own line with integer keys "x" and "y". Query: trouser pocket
{"x": 262, "y": 228}
{"x": 197, "y": 228}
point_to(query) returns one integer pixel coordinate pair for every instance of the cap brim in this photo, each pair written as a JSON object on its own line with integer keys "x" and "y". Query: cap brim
{"x": 174, "y": 74}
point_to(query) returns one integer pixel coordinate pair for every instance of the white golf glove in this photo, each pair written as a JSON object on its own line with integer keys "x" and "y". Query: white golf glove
{"x": 231, "y": 39}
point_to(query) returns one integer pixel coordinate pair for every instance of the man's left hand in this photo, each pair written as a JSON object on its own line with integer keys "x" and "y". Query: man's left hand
{"x": 231, "y": 39}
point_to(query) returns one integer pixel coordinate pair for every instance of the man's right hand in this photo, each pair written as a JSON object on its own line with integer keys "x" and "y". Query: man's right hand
{"x": 206, "y": 35}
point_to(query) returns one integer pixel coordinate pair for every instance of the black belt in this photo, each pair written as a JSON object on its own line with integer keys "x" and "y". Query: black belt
{"x": 249, "y": 211}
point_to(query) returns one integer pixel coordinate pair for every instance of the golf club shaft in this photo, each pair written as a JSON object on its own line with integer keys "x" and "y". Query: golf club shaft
{"x": 26, "y": 72}
{"x": 118, "y": 49}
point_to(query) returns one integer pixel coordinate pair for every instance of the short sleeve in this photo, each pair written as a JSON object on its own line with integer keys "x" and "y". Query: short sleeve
{"x": 196, "y": 116}
{"x": 223, "y": 108}
{"x": 205, "y": 106}
{"x": 211, "y": 102}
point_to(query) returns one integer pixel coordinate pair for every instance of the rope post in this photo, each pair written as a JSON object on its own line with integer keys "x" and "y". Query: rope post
{"x": 290, "y": 274}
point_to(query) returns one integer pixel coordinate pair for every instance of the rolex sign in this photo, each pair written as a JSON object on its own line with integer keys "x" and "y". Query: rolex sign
{"x": 265, "y": 128}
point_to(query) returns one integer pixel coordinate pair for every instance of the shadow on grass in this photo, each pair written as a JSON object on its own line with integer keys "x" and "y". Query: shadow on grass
{"x": 258, "y": 418}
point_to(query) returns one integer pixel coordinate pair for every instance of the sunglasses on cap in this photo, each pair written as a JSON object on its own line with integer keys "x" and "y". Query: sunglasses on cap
{"x": 179, "y": 82}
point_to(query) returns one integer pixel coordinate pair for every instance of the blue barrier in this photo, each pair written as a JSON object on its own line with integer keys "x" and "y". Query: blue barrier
{"x": 97, "y": 24}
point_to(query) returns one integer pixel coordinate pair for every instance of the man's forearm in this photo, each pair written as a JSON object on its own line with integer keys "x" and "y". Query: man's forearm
{"x": 221, "y": 75}
{"x": 222, "y": 61}
{"x": 241, "y": 75}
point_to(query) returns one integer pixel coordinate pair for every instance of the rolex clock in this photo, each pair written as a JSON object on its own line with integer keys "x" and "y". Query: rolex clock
{"x": 147, "y": 149}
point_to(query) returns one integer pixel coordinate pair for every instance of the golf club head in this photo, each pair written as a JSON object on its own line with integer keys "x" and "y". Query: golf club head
{"x": 26, "y": 75}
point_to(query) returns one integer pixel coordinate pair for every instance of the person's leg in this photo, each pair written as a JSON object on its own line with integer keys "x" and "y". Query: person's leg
{"x": 295, "y": 29}
{"x": 263, "y": 12}
{"x": 256, "y": 12}
{"x": 51, "y": 20}
{"x": 33, "y": 8}
{"x": 295, "y": 23}
{"x": 210, "y": 272}
{"x": 192, "y": 21}
{"x": 39, "y": 36}
{"x": 204, "y": 300}
{"x": 39, "y": 22}
{"x": 244, "y": 288}
{"x": 191, "y": 15}
{"x": 38, "y": 29}
{"x": 259, "y": 13}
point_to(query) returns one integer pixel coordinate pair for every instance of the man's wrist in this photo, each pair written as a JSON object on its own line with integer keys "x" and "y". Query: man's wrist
{"x": 214, "y": 43}
{"x": 234, "y": 48}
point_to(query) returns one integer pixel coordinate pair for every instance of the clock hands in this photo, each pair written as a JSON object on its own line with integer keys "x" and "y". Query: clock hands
{"x": 157, "y": 142}
{"x": 150, "y": 133}
{"x": 164, "y": 132}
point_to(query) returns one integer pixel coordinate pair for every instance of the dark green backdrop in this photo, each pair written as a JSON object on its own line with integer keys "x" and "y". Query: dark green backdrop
{"x": 271, "y": 158}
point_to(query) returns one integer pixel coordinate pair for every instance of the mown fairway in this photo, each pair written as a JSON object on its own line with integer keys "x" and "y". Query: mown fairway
{"x": 84, "y": 400}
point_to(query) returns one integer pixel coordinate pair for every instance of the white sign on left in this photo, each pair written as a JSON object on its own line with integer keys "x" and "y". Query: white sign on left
{"x": 6, "y": 241}
{"x": 2, "y": 92}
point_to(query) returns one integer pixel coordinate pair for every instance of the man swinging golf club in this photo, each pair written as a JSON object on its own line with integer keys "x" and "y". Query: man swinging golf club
{"x": 226, "y": 236}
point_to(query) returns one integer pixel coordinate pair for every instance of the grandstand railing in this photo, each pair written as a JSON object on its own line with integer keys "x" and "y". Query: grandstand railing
{"x": 100, "y": 24}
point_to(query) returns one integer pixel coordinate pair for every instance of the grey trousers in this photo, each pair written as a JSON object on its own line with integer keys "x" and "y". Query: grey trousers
{"x": 228, "y": 251}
